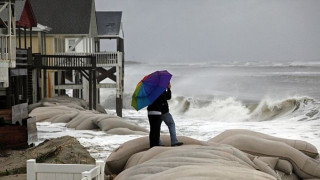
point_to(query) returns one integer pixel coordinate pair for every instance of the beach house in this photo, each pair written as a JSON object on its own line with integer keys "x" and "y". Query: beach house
{"x": 73, "y": 49}
{"x": 16, "y": 128}
{"x": 48, "y": 47}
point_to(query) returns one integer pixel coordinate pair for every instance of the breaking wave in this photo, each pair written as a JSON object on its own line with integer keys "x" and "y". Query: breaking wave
{"x": 231, "y": 109}
{"x": 296, "y": 108}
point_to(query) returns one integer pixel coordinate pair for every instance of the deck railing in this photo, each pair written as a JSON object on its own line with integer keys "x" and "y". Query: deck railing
{"x": 102, "y": 58}
{"x": 45, "y": 171}
{"x": 64, "y": 61}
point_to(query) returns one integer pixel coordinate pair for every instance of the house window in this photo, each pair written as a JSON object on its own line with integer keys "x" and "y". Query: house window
{"x": 71, "y": 43}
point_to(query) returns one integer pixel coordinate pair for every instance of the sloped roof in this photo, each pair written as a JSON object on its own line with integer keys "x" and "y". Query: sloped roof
{"x": 64, "y": 16}
{"x": 108, "y": 22}
{"x": 24, "y": 14}
{"x": 27, "y": 18}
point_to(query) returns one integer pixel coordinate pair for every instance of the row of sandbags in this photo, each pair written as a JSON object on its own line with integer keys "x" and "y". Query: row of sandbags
{"x": 234, "y": 154}
{"x": 76, "y": 116}
{"x": 65, "y": 100}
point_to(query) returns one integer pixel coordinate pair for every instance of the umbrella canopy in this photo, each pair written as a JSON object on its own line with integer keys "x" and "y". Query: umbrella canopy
{"x": 150, "y": 88}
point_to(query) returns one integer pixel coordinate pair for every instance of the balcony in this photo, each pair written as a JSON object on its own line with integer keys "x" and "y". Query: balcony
{"x": 103, "y": 59}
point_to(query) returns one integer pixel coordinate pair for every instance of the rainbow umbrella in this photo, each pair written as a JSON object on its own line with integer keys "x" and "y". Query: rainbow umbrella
{"x": 150, "y": 88}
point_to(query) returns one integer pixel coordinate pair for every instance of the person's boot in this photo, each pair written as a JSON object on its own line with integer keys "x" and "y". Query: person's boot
{"x": 177, "y": 144}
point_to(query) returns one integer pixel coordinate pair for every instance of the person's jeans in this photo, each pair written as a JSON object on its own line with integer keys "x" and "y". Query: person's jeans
{"x": 167, "y": 118}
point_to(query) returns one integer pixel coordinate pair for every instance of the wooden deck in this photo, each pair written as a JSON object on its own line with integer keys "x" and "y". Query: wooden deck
{"x": 103, "y": 59}
{"x": 65, "y": 62}
{"x": 94, "y": 67}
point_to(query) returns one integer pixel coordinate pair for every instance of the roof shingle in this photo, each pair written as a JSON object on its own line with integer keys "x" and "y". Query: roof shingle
{"x": 64, "y": 16}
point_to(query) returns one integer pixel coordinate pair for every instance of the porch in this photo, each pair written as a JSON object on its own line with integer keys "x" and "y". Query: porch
{"x": 93, "y": 67}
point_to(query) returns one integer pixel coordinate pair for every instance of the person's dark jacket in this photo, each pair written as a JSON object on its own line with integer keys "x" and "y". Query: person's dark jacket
{"x": 161, "y": 104}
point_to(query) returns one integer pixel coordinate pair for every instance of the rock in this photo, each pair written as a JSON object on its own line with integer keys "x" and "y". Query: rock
{"x": 63, "y": 150}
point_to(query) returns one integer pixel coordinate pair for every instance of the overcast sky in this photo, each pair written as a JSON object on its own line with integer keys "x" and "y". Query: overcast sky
{"x": 219, "y": 30}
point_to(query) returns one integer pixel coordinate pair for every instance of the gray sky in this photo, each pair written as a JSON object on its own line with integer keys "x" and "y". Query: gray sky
{"x": 219, "y": 30}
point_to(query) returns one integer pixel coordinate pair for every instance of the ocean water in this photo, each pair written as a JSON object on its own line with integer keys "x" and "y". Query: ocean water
{"x": 280, "y": 99}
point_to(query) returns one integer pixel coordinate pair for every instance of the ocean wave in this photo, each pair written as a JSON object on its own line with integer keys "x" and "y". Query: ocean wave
{"x": 296, "y": 108}
{"x": 230, "y": 109}
{"x": 227, "y": 109}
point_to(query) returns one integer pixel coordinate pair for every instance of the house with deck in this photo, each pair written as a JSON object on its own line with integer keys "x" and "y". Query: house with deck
{"x": 72, "y": 59}
{"x": 48, "y": 47}
{"x": 16, "y": 128}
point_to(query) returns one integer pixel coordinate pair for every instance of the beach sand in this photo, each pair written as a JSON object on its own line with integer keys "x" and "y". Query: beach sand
{"x": 15, "y": 177}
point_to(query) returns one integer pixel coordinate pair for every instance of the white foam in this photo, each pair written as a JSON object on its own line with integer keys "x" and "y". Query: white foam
{"x": 100, "y": 144}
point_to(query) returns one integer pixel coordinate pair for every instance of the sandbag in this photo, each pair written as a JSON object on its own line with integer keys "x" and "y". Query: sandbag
{"x": 77, "y": 120}
{"x": 284, "y": 166}
{"x": 116, "y": 161}
{"x": 264, "y": 167}
{"x": 305, "y": 147}
{"x": 192, "y": 172}
{"x": 111, "y": 122}
{"x": 134, "y": 159}
{"x": 64, "y": 118}
{"x": 85, "y": 121}
{"x": 143, "y": 156}
{"x": 271, "y": 161}
{"x": 207, "y": 162}
{"x": 43, "y": 116}
{"x": 87, "y": 124}
{"x": 49, "y": 114}
{"x": 193, "y": 154}
{"x": 33, "y": 106}
{"x": 125, "y": 131}
{"x": 74, "y": 103}
{"x": 284, "y": 176}
{"x": 304, "y": 166}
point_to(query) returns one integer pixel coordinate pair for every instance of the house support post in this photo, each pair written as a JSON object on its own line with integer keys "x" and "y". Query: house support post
{"x": 25, "y": 90}
{"x": 94, "y": 80}
{"x": 119, "y": 92}
{"x": 34, "y": 85}
{"x": 77, "y": 81}
{"x": 59, "y": 81}
{"x": 120, "y": 74}
{"x": 90, "y": 89}
{"x": 44, "y": 83}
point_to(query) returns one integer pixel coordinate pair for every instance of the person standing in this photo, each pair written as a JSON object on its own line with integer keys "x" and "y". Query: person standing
{"x": 167, "y": 117}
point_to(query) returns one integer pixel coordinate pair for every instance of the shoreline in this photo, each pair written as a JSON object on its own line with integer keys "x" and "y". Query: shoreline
{"x": 100, "y": 144}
